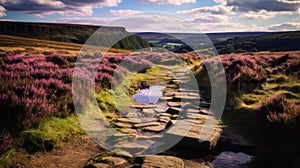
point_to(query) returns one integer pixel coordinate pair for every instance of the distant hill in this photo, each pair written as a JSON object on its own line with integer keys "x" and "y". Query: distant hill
{"x": 279, "y": 41}
{"x": 214, "y": 37}
{"x": 227, "y": 42}
{"x": 72, "y": 33}
{"x": 176, "y": 41}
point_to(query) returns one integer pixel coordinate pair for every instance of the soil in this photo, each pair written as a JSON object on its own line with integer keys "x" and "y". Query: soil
{"x": 74, "y": 154}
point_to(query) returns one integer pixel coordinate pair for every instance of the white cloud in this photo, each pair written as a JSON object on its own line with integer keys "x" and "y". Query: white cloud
{"x": 287, "y": 26}
{"x": 2, "y": 11}
{"x": 97, "y": 21}
{"x": 210, "y": 19}
{"x": 172, "y": 2}
{"x": 258, "y": 5}
{"x": 124, "y": 12}
{"x": 217, "y": 9}
{"x": 63, "y": 7}
{"x": 261, "y": 15}
{"x": 159, "y": 23}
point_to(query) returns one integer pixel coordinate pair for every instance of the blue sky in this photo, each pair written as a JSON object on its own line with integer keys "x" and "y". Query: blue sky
{"x": 170, "y": 16}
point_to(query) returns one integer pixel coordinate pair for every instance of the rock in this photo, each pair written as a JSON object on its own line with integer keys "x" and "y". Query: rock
{"x": 187, "y": 90}
{"x": 133, "y": 114}
{"x": 159, "y": 110}
{"x": 100, "y": 165}
{"x": 169, "y": 94}
{"x": 150, "y": 112}
{"x": 195, "y": 116}
{"x": 166, "y": 98}
{"x": 160, "y": 161}
{"x": 141, "y": 106}
{"x": 147, "y": 124}
{"x": 165, "y": 114}
{"x": 231, "y": 160}
{"x": 114, "y": 161}
{"x": 187, "y": 98}
{"x": 174, "y": 117}
{"x": 123, "y": 125}
{"x": 129, "y": 120}
{"x": 128, "y": 131}
{"x": 154, "y": 128}
{"x": 130, "y": 147}
{"x": 164, "y": 119}
{"x": 137, "y": 120}
{"x": 174, "y": 104}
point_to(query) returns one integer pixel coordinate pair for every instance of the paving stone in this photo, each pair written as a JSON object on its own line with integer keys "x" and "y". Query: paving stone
{"x": 160, "y": 161}
{"x": 174, "y": 104}
{"x": 147, "y": 124}
{"x": 154, "y": 128}
{"x": 123, "y": 125}
{"x": 128, "y": 131}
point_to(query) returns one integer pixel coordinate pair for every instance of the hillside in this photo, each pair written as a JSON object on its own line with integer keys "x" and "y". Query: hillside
{"x": 279, "y": 41}
{"x": 176, "y": 41}
{"x": 72, "y": 33}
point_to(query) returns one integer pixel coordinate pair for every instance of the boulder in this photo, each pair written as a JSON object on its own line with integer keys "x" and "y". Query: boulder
{"x": 160, "y": 161}
{"x": 232, "y": 160}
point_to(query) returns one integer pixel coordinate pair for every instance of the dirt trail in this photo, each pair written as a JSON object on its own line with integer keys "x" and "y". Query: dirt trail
{"x": 75, "y": 154}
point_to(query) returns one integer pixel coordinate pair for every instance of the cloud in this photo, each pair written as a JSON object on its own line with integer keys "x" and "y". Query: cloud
{"x": 261, "y": 15}
{"x": 258, "y": 5}
{"x": 160, "y": 23}
{"x": 210, "y": 19}
{"x": 124, "y": 12}
{"x": 2, "y": 11}
{"x": 287, "y": 26}
{"x": 97, "y": 21}
{"x": 217, "y": 9}
{"x": 63, "y": 7}
{"x": 264, "y": 15}
{"x": 172, "y": 2}
{"x": 138, "y": 23}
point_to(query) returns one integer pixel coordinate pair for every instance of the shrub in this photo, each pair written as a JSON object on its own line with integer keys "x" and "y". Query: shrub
{"x": 279, "y": 124}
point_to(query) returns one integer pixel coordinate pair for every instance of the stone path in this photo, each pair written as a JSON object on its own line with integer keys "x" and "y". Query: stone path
{"x": 180, "y": 112}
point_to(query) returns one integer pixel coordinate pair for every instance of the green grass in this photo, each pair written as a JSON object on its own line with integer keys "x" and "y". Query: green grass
{"x": 275, "y": 85}
{"x": 54, "y": 130}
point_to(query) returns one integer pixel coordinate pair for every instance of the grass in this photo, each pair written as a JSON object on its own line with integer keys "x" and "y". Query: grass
{"x": 37, "y": 46}
{"x": 275, "y": 85}
{"x": 52, "y": 130}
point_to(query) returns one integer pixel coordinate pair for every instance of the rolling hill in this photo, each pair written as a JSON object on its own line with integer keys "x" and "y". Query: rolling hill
{"x": 279, "y": 41}
{"x": 72, "y": 33}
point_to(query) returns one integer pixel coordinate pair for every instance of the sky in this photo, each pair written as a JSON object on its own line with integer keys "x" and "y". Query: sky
{"x": 161, "y": 15}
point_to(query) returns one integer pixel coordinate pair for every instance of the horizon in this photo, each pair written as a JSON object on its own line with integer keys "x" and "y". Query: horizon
{"x": 202, "y": 16}
{"x": 32, "y": 22}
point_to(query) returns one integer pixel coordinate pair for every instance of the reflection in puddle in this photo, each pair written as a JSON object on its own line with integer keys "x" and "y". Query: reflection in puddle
{"x": 149, "y": 96}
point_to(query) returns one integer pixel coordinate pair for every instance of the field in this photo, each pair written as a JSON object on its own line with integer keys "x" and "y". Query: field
{"x": 37, "y": 110}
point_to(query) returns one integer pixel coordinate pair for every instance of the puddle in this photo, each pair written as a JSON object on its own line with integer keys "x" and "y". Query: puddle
{"x": 149, "y": 96}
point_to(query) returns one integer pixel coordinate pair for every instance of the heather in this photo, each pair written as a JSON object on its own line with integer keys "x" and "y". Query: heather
{"x": 37, "y": 87}
{"x": 263, "y": 102}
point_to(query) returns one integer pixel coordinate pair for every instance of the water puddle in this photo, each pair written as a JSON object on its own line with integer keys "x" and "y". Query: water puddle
{"x": 149, "y": 96}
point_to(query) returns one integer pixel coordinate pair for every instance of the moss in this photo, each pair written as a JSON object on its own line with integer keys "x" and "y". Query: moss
{"x": 51, "y": 132}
